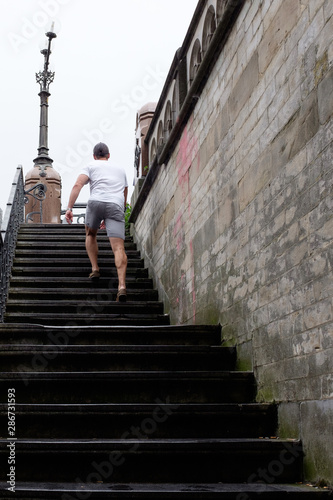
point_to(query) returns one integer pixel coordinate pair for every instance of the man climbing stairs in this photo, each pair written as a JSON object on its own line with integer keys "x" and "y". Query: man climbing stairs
{"x": 111, "y": 401}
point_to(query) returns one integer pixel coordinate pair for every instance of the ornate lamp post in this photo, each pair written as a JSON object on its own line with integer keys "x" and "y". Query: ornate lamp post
{"x": 44, "y": 78}
{"x": 50, "y": 211}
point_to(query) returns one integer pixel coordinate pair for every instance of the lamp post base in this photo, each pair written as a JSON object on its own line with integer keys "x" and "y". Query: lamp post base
{"x": 52, "y": 204}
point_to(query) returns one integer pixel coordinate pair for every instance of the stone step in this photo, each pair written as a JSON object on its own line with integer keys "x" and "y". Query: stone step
{"x": 58, "y": 229}
{"x": 113, "y": 420}
{"x": 86, "y": 312}
{"x": 61, "y": 229}
{"x": 129, "y": 386}
{"x": 69, "y": 271}
{"x": 48, "y": 234}
{"x": 31, "y": 240}
{"x": 110, "y": 335}
{"x": 154, "y": 460}
{"x": 105, "y": 305}
{"x": 70, "y": 262}
{"x": 85, "y": 358}
{"x": 81, "y": 294}
{"x": 68, "y": 243}
{"x": 89, "y": 318}
{"x": 53, "y": 228}
{"x": 45, "y": 251}
{"x": 164, "y": 491}
{"x": 78, "y": 282}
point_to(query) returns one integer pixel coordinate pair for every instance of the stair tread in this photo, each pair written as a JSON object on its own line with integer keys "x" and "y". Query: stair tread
{"x": 158, "y": 328}
{"x": 64, "y": 282}
{"x": 86, "y": 268}
{"x": 70, "y": 302}
{"x": 127, "y": 375}
{"x": 138, "y": 407}
{"x": 89, "y": 349}
{"x": 77, "y": 260}
{"x": 119, "y": 334}
{"x": 124, "y": 330}
{"x": 76, "y": 268}
{"x": 152, "y": 488}
{"x": 57, "y": 291}
{"x": 121, "y": 316}
{"x": 232, "y": 444}
{"x": 52, "y": 235}
{"x": 24, "y": 250}
{"x": 81, "y": 294}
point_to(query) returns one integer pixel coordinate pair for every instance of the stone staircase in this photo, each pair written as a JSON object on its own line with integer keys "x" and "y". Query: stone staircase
{"x": 113, "y": 402}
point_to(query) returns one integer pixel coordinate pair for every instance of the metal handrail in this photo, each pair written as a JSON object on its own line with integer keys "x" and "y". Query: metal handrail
{"x": 14, "y": 216}
{"x": 76, "y": 216}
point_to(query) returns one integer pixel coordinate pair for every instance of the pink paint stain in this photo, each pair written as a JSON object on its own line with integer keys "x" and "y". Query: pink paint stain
{"x": 186, "y": 157}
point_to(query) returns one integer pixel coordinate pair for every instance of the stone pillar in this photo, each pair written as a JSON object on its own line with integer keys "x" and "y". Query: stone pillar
{"x": 52, "y": 204}
{"x": 144, "y": 118}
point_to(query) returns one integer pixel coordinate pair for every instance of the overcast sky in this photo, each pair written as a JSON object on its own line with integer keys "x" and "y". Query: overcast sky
{"x": 110, "y": 58}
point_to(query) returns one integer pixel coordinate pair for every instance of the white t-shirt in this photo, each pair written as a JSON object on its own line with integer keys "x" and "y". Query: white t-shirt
{"x": 107, "y": 181}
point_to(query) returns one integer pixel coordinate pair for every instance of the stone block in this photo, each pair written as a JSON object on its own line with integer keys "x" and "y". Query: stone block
{"x": 268, "y": 293}
{"x": 311, "y": 34}
{"x": 254, "y": 180}
{"x": 321, "y": 237}
{"x": 245, "y": 356}
{"x": 318, "y": 314}
{"x": 317, "y": 429}
{"x": 244, "y": 87}
{"x": 296, "y": 254}
{"x": 325, "y": 98}
{"x": 276, "y": 31}
{"x": 289, "y": 420}
{"x": 289, "y": 108}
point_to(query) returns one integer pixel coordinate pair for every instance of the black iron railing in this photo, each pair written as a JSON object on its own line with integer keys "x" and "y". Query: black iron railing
{"x": 79, "y": 218}
{"x": 14, "y": 216}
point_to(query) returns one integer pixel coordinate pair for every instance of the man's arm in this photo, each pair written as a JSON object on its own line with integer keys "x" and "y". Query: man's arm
{"x": 81, "y": 181}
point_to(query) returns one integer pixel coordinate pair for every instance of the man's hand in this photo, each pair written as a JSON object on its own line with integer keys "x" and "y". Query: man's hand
{"x": 69, "y": 216}
{"x": 102, "y": 226}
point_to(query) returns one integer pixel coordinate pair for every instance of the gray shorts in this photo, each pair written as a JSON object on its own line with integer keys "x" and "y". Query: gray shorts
{"x": 112, "y": 215}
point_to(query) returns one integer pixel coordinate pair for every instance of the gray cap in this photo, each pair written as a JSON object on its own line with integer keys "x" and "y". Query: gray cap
{"x": 101, "y": 150}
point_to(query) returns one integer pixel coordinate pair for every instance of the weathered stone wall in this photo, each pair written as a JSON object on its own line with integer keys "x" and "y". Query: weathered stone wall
{"x": 237, "y": 226}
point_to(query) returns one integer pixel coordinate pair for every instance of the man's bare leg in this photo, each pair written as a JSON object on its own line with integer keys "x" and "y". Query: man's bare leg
{"x": 92, "y": 247}
{"x": 120, "y": 257}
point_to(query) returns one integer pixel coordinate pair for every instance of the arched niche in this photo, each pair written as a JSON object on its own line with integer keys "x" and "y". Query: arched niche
{"x": 195, "y": 60}
{"x": 208, "y": 29}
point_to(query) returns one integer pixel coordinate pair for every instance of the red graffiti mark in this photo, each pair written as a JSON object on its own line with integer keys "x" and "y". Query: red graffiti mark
{"x": 178, "y": 224}
{"x": 186, "y": 158}
{"x": 187, "y": 154}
